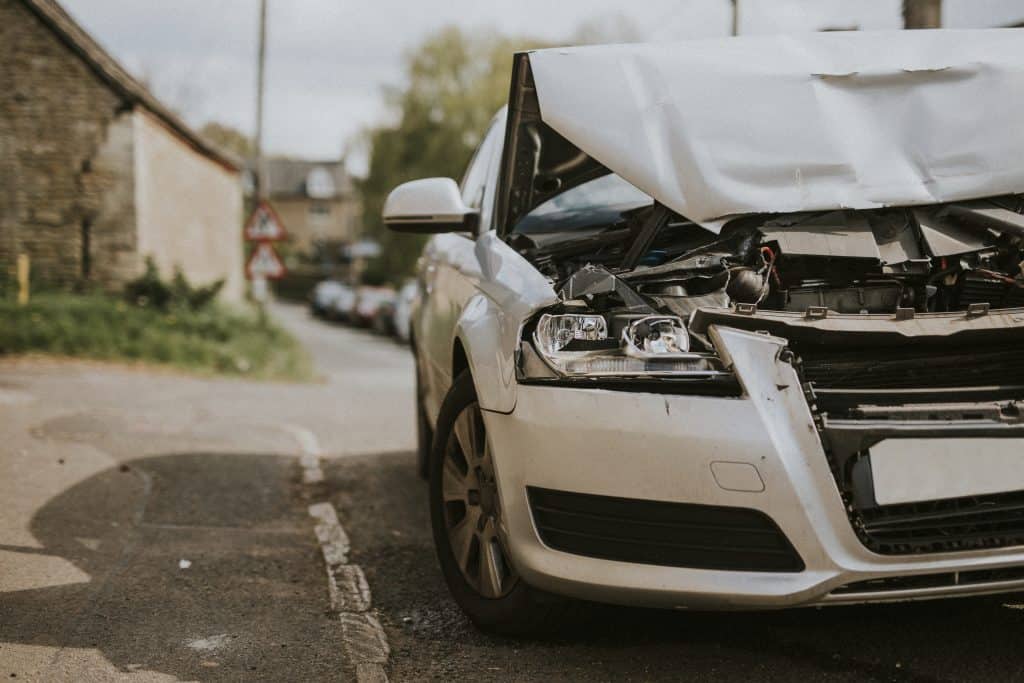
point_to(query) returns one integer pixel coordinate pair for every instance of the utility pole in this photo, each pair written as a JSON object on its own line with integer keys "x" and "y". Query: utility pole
{"x": 735, "y": 17}
{"x": 922, "y": 13}
{"x": 260, "y": 291}
{"x": 261, "y": 185}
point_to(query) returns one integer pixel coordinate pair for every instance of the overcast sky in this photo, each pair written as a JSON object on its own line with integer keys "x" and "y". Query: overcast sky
{"x": 327, "y": 60}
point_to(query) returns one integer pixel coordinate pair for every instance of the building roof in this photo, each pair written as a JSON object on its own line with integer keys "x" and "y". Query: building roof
{"x": 303, "y": 178}
{"x": 777, "y": 124}
{"x": 116, "y": 77}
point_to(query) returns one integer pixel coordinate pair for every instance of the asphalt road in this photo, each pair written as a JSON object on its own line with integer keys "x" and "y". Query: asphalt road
{"x": 154, "y": 527}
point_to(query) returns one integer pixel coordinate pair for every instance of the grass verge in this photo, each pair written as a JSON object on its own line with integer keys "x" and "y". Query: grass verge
{"x": 213, "y": 340}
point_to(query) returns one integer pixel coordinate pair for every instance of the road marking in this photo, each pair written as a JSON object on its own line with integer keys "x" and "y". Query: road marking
{"x": 309, "y": 458}
{"x": 363, "y": 637}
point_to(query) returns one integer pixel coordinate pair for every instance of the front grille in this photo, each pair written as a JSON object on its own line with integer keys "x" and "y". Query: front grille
{"x": 857, "y": 395}
{"x": 977, "y": 289}
{"x": 912, "y": 366}
{"x": 991, "y": 521}
{"x": 661, "y": 533}
{"x": 974, "y": 577}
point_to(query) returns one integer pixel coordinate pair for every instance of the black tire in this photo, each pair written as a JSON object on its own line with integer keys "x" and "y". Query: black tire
{"x": 520, "y": 609}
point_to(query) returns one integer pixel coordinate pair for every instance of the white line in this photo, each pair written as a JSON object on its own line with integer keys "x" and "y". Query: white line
{"x": 311, "y": 452}
{"x": 362, "y": 636}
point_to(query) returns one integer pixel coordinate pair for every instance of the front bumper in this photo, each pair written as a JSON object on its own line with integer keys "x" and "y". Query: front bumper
{"x": 661, "y": 447}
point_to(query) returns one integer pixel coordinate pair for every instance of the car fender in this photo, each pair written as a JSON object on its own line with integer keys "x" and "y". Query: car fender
{"x": 509, "y": 291}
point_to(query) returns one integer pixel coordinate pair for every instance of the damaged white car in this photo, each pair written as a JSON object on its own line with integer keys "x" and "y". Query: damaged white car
{"x": 730, "y": 324}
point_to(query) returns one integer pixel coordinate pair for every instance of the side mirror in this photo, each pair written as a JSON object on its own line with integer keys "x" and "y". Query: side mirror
{"x": 427, "y": 206}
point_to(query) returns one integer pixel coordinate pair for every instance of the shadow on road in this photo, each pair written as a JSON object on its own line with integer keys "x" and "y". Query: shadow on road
{"x": 385, "y": 503}
{"x": 249, "y": 605}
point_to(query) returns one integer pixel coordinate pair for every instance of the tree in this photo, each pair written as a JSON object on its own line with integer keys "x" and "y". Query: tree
{"x": 455, "y": 84}
{"x": 231, "y": 139}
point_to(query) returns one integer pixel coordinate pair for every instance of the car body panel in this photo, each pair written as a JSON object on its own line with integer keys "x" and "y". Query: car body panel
{"x": 661, "y": 447}
{"x": 847, "y": 120}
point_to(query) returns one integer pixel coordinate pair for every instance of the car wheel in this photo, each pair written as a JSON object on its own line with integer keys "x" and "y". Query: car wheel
{"x": 468, "y": 533}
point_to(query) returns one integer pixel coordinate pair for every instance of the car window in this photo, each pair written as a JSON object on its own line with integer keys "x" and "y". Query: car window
{"x": 595, "y": 203}
{"x": 478, "y": 186}
{"x": 476, "y": 173}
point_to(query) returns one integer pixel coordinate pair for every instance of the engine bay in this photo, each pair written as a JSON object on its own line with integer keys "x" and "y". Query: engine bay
{"x": 939, "y": 258}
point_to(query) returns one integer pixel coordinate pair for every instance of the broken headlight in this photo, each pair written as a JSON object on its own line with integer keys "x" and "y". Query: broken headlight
{"x": 593, "y": 345}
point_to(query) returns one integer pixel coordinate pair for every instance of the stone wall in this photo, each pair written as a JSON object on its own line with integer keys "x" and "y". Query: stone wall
{"x": 188, "y": 207}
{"x": 66, "y": 192}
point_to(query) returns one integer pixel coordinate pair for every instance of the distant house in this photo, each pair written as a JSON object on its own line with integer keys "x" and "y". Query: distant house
{"x": 316, "y": 202}
{"x": 95, "y": 173}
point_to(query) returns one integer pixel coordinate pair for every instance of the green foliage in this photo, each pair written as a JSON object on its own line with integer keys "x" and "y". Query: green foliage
{"x": 456, "y": 81}
{"x": 150, "y": 290}
{"x": 229, "y": 138}
{"x": 210, "y": 340}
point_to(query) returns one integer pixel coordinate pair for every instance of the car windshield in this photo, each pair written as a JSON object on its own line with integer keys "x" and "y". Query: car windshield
{"x": 595, "y": 203}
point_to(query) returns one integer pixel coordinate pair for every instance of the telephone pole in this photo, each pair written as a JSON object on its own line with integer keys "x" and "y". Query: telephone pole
{"x": 260, "y": 66}
{"x": 922, "y": 13}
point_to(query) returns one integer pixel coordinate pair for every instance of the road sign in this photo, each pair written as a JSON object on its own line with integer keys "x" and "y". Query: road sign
{"x": 264, "y": 263}
{"x": 264, "y": 225}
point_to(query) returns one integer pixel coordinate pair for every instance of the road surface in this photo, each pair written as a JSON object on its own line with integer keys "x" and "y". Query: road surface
{"x": 155, "y": 526}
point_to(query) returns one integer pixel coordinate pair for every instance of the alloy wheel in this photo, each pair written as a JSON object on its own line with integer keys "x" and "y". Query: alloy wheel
{"x": 472, "y": 510}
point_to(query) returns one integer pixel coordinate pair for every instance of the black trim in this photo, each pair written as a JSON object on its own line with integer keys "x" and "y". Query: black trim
{"x": 661, "y": 533}
{"x": 973, "y": 577}
{"x": 726, "y": 387}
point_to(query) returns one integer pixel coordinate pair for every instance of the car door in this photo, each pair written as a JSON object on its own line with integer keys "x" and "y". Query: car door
{"x": 450, "y": 270}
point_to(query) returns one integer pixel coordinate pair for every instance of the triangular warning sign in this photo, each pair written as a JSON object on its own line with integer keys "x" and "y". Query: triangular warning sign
{"x": 264, "y": 263}
{"x": 264, "y": 225}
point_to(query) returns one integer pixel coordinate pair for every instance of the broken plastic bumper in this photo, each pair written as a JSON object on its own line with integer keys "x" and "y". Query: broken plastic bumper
{"x": 758, "y": 453}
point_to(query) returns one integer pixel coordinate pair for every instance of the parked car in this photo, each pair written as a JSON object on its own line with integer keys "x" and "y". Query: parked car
{"x": 368, "y": 302}
{"x": 324, "y": 296}
{"x": 343, "y": 305}
{"x": 384, "y": 318}
{"x": 400, "y": 319}
{"x": 729, "y": 324}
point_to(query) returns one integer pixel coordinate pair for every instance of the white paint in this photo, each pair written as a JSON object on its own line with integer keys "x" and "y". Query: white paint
{"x": 311, "y": 451}
{"x": 434, "y": 201}
{"x": 714, "y": 128}
{"x": 331, "y": 536}
{"x": 363, "y": 638}
{"x": 913, "y": 470}
{"x": 737, "y": 476}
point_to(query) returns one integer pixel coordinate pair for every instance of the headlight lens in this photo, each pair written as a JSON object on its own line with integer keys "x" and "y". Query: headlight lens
{"x": 556, "y": 332}
{"x": 658, "y": 336}
{"x": 580, "y": 345}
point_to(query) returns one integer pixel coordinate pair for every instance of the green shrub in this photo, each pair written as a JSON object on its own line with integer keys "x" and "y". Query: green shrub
{"x": 150, "y": 290}
{"x": 209, "y": 338}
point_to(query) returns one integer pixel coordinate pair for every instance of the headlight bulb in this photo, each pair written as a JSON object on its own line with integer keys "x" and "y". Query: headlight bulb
{"x": 656, "y": 336}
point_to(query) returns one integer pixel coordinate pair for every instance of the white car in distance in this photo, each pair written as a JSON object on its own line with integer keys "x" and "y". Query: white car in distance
{"x": 729, "y": 324}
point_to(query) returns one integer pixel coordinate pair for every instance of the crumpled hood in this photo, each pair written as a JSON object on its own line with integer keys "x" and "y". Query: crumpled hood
{"x": 717, "y": 128}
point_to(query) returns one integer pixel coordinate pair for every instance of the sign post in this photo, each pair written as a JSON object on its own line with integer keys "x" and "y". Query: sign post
{"x": 23, "y": 279}
{"x": 263, "y": 228}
